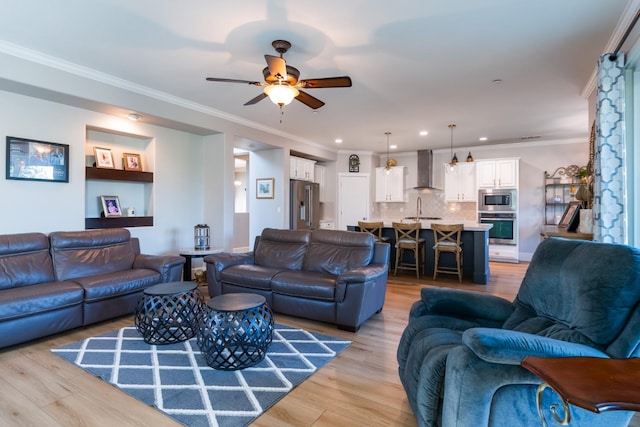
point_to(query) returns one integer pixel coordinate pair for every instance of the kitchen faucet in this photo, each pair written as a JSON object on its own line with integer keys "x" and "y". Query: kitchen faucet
{"x": 418, "y": 208}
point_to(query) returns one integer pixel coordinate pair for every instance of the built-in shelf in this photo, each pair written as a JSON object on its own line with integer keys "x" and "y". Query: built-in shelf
{"x": 118, "y": 175}
{"x": 118, "y": 222}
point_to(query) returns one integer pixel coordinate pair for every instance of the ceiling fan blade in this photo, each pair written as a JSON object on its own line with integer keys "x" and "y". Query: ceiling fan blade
{"x": 309, "y": 100}
{"x": 344, "y": 81}
{"x": 215, "y": 79}
{"x": 277, "y": 66}
{"x": 256, "y": 99}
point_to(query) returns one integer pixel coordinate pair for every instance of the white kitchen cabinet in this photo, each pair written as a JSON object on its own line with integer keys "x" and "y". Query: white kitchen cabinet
{"x": 302, "y": 169}
{"x": 319, "y": 174}
{"x": 500, "y": 173}
{"x": 460, "y": 183}
{"x": 390, "y": 184}
{"x": 503, "y": 253}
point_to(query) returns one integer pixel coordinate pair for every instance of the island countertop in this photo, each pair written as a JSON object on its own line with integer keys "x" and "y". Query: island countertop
{"x": 426, "y": 224}
{"x": 475, "y": 239}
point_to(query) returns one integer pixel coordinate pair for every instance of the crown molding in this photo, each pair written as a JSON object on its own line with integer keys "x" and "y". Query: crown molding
{"x": 624, "y": 22}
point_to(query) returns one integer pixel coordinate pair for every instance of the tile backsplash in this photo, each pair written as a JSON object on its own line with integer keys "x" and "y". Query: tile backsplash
{"x": 433, "y": 205}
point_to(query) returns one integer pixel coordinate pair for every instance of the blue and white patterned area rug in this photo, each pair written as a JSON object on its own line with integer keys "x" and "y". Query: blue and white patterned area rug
{"x": 176, "y": 379}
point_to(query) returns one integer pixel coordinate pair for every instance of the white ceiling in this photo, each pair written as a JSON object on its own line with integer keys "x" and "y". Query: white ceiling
{"x": 415, "y": 64}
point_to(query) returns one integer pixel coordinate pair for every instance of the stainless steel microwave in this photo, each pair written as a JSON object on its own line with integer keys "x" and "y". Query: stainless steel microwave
{"x": 497, "y": 200}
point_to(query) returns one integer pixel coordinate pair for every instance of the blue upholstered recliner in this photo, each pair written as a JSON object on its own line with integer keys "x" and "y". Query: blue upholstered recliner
{"x": 459, "y": 355}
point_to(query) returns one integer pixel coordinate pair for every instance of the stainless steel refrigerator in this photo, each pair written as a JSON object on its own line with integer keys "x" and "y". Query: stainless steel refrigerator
{"x": 304, "y": 212}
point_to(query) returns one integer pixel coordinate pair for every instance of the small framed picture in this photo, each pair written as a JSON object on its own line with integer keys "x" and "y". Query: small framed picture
{"x": 111, "y": 206}
{"x": 132, "y": 162}
{"x": 571, "y": 217}
{"x": 264, "y": 188}
{"x": 104, "y": 159}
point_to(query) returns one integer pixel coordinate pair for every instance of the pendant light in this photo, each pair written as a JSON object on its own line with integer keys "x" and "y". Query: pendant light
{"x": 390, "y": 162}
{"x": 454, "y": 158}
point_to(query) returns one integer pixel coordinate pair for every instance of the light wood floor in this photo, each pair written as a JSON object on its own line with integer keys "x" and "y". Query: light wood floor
{"x": 360, "y": 387}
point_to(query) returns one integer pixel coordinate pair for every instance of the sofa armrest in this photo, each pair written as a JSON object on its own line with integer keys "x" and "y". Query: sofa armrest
{"x": 169, "y": 266}
{"x": 510, "y": 347}
{"x": 462, "y": 304}
{"x": 223, "y": 260}
{"x": 363, "y": 274}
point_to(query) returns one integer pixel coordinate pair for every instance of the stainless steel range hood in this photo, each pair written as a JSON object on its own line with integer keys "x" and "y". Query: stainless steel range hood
{"x": 425, "y": 171}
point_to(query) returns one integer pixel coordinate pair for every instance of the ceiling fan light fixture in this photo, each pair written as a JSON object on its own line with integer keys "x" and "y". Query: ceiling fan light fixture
{"x": 281, "y": 94}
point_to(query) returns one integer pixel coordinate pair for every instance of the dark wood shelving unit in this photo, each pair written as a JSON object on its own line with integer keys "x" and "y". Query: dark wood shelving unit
{"x": 118, "y": 222}
{"x": 118, "y": 175}
{"x": 93, "y": 173}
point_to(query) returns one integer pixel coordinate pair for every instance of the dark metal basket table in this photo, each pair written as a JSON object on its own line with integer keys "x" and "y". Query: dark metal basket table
{"x": 235, "y": 331}
{"x": 169, "y": 312}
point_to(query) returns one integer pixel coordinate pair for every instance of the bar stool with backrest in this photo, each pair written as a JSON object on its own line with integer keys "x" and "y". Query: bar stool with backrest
{"x": 374, "y": 228}
{"x": 408, "y": 238}
{"x": 447, "y": 239}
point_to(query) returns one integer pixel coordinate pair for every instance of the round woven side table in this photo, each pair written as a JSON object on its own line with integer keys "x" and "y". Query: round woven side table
{"x": 235, "y": 331}
{"x": 169, "y": 312}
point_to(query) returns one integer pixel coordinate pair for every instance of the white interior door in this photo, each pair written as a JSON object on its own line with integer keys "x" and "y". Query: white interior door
{"x": 353, "y": 196}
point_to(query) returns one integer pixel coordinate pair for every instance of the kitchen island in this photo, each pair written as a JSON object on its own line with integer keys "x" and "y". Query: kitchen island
{"x": 475, "y": 255}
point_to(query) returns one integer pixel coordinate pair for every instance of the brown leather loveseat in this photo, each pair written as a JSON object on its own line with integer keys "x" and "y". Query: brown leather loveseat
{"x": 331, "y": 276}
{"x": 50, "y": 284}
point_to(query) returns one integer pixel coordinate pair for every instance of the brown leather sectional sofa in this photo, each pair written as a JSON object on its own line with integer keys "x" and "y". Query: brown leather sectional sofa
{"x": 49, "y": 284}
{"x": 331, "y": 276}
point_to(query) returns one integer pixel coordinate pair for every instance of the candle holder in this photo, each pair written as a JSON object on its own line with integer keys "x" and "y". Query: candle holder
{"x": 201, "y": 237}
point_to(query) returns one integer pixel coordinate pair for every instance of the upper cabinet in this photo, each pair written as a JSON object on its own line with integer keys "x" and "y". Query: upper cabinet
{"x": 319, "y": 177}
{"x": 460, "y": 183}
{"x": 302, "y": 169}
{"x": 501, "y": 173}
{"x": 390, "y": 184}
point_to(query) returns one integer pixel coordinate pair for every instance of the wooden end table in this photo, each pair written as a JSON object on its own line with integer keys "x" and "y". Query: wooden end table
{"x": 592, "y": 383}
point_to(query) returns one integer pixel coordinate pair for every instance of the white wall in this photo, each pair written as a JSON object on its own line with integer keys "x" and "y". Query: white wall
{"x": 44, "y": 206}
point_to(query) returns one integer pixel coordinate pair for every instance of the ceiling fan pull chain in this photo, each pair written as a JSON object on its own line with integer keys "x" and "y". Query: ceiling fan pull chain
{"x": 281, "y": 114}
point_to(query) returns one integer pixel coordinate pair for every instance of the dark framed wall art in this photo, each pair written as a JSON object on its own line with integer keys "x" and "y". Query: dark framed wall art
{"x": 32, "y": 160}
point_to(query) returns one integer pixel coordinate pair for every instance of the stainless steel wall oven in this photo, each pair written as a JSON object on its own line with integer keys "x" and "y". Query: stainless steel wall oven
{"x": 505, "y": 227}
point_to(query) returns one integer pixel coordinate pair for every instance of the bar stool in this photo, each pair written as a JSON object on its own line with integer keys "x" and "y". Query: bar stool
{"x": 447, "y": 239}
{"x": 408, "y": 238}
{"x": 374, "y": 228}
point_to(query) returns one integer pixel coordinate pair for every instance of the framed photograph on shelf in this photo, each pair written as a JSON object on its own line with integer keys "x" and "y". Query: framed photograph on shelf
{"x": 104, "y": 158}
{"x": 31, "y": 160}
{"x": 264, "y": 188}
{"x": 110, "y": 206}
{"x": 571, "y": 216}
{"x": 132, "y": 162}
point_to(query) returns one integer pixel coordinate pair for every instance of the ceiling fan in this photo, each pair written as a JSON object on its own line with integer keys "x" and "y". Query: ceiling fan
{"x": 281, "y": 81}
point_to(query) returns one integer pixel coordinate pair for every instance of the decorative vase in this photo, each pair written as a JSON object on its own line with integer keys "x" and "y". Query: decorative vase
{"x": 583, "y": 193}
{"x": 586, "y": 221}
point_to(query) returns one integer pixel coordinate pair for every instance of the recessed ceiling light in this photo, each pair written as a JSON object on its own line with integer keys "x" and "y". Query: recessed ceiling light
{"x": 483, "y": 138}
{"x": 133, "y": 116}
{"x": 338, "y": 141}
{"x": 424, "y": 133}
{"x": 393, "y": 146}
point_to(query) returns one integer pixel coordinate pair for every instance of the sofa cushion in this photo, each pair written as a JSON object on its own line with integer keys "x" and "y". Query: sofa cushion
{"x": 336, "y": 251}
{"x": 305, "y": 284}
{"x": 602, "y": 292}
{"x": 30, "y": 300}
{"x": 91, "y": 252}
{"x": 248, "y": 275}
{"x": 24, "y": 260}
{"x": 283, "y": 249}
{"x": 106, "y": 286}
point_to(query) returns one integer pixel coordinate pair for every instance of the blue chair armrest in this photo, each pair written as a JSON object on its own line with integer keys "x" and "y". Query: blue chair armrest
{"x": 462, "y": 304}
{"x": 510, "y": 347}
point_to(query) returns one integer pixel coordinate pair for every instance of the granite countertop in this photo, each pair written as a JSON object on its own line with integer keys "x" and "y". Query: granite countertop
{"x": 426, "y": 224}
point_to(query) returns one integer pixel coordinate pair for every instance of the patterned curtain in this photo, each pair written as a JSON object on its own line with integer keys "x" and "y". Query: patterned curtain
{"x": 609, "y": 212}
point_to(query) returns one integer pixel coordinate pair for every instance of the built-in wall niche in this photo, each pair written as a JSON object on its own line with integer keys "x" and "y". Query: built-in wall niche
{"x": 134, "y": 189}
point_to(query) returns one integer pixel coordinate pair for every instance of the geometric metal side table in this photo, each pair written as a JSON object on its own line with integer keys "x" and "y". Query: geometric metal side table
{"x": 169, "y": 312}
{"x": 235, "y": 331}
{"x": 592, "y": 383}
